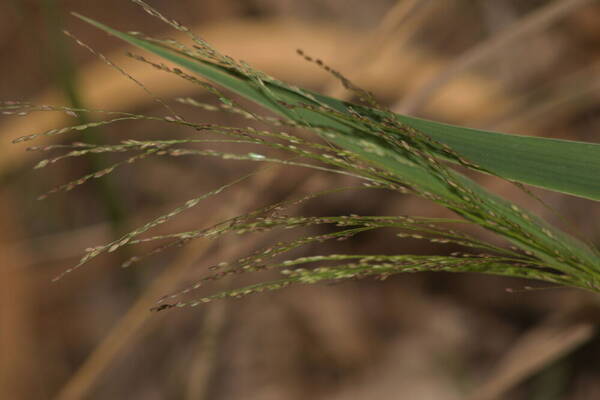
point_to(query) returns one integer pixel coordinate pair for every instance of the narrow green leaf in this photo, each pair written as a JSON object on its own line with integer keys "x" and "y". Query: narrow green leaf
{"x": 560, "y": 165}
{"x": 368, "y": 146}
{"x": 565, "y": 166}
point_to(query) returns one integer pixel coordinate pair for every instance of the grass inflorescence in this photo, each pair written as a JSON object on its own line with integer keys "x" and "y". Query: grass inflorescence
{"x": 367, "y": 143}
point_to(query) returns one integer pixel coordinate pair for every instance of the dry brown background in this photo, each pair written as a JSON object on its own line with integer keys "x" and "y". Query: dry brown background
{"x": 426, "y": 336}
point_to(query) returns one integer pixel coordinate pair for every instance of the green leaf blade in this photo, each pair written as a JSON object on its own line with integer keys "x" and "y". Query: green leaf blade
{"x": 565, "y": 166}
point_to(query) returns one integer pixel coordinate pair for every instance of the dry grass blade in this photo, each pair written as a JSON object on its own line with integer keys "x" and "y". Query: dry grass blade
{"x": 18, "y": 372}
{"x": 206, "y": 352}
{"x": 128, "y": 327}
{"x": 537, "y": 348}
{"x": 567, "y": 96}
{"x": 535, "y": 22}
{"x": 405, "y": 14}
{"x": 138, "y": 316}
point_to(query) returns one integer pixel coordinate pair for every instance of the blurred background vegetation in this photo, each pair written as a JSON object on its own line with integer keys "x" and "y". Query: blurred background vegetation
{"x": 528, "y": 67}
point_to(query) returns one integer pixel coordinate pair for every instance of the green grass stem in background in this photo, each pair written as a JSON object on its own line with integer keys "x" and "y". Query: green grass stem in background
{"x": 65, "y": 78}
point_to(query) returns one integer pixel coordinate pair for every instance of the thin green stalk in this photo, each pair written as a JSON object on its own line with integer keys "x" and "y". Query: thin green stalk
{"x": 66, "y": 76}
